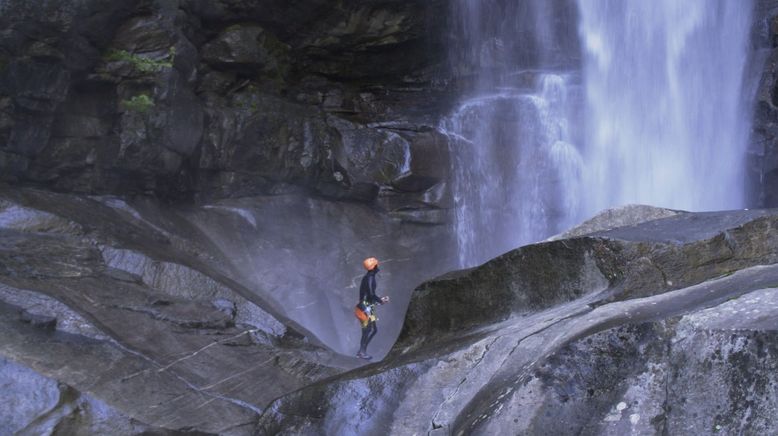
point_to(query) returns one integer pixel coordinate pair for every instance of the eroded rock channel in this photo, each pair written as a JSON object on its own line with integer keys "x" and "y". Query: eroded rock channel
{"x": 122, "y": 323}
{"x": 659, "y": 328}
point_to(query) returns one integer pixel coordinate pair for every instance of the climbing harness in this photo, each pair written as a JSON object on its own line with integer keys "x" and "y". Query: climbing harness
{"x": 364, "y": 313}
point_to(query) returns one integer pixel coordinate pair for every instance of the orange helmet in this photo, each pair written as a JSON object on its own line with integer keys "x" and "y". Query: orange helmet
{"x": 370, "y": 263}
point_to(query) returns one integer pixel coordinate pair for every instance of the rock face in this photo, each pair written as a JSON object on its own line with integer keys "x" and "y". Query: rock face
{"x": 34, "y": 404}
{"x": 220, "y": 301}
{"x": 306, "y": 255}
{"x": 606, "y": 333}
{"x": 654, "y": 328}
{"x": 763, "y": 165}
{"x": 185, "y": 99}
{"x": 109, "y": 305}
{"x": 188, "y": 99}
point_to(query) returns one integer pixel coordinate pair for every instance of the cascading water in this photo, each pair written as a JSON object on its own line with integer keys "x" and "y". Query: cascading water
{"x": 515, "y": 171}
{"x": 665, "y": 117}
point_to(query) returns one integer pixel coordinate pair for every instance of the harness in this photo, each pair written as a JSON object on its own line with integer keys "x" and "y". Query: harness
{"x": 364, "y": 313}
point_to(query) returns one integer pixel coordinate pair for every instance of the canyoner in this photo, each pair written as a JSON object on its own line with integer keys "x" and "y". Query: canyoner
{"x": 365, "y": 309}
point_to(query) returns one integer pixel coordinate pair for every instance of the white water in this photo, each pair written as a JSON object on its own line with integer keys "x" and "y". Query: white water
{"x": 665, "y": 116}
{"x": 664, "y": 122}
{"x": 515, "y": 171}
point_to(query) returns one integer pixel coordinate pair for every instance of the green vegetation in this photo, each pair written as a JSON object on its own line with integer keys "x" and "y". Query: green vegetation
{"x": 140, "y": 63}
{"x": 247, "y": 100}
{"x": 247, "y": 105}
{"x": 140, "y": 103}
{"x": 253, "y": 107}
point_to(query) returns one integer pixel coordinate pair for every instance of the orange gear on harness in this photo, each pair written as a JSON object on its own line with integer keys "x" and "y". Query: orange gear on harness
{"x": 364, "y": 313}
{"x": 361, "y": 315}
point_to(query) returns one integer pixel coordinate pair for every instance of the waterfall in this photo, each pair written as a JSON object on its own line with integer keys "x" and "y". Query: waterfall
{"x": 646, "y": 106}
{"x": 664, "y": 110}
{"x": 516, "y": 172}
{"x": 515, "y": 169}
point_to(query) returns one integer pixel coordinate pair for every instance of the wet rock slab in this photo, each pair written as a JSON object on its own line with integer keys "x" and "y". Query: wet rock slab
{"x": 137, "y": 311}
{"x": 130, "y": 320}
{"x": 685, "y": 349}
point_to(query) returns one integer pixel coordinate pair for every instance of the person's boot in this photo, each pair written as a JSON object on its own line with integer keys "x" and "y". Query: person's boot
{"x": 363, "y": 355}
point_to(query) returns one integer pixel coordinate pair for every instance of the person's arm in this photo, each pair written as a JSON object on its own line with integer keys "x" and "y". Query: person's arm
{"x": 372, "y": 297}
{"x": 362, "y": 294}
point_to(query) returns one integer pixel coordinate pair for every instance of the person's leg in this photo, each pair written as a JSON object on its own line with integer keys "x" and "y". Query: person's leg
{"x": 372, "y": 329}
{"x": 373, "y": 332}
{"x": 365, "y": 339}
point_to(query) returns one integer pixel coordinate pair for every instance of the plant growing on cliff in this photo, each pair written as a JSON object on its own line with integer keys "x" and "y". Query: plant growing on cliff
{"x": 141, "y": 63}
{"x": 140, "y": 103}
{"x": 247, "y": 104}
{"x": 247, "y": 100}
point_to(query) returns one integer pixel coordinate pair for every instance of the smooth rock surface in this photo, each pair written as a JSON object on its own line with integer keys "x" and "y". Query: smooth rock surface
{"x": 628, "y": 215}
{"x": 540, "y": 357}
{"x": 106, "y": 302}
{"x": 34, "y": 404}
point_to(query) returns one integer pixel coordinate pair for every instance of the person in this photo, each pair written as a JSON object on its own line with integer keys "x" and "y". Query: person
{"x": 367, "y": 300}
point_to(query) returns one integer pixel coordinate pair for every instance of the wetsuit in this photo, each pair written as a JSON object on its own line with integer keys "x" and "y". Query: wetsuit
{"x": 368, "y": 297}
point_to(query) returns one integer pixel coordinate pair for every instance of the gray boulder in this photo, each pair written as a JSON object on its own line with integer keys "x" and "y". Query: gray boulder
{"x": 628, "y": 215}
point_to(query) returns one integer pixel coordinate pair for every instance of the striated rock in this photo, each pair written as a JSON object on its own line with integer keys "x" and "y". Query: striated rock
{"x": 35, "y": 404}
{"x": 266, "y": 139}
{"x": 104, "y": 301}
{"x": 39, "y": 306}
{"x": 190, "y": 99}
{"x": 528, "y": 279}
{"x": 624, "y": 263}
{"x": 13, "y": 216}
{"x": 179, "y": 281}
{"x": 120, "y": 377}
{"x": 519, "y": 346}
{"x": 240, "y": 251}
{"x": 122, "y": 245}
{"x": 706, "y": 372}
{"x": 247, "y": 49}
{"x": 131, "y": 294}
{"x": 143, "y": 34}
{"x": 40, "y": 321}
